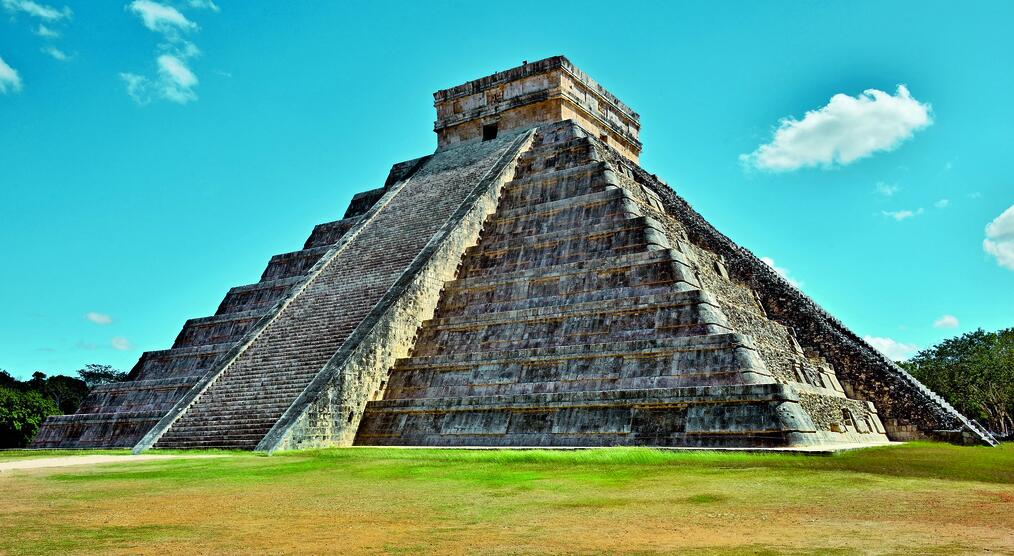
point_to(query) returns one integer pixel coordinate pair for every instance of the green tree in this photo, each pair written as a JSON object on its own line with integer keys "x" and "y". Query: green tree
{"x": 21, "y": 414}
{"x": 94, "y": 375}
{"x": 66, "y": 392}
{"x": 975, "y": 373}
{"x": 8, "y": 381}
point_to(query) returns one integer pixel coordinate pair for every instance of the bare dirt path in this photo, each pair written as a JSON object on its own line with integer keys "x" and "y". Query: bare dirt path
{"x": 65, "y": 461}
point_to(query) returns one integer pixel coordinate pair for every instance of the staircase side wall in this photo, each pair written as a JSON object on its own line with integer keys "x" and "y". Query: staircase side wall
{"x": 329, "y": 411}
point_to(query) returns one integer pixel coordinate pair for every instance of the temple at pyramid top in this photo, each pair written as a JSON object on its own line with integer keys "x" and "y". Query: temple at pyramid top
{"x": 549, "y": 90}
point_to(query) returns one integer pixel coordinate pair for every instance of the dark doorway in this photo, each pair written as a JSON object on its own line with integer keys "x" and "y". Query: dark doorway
{"x": 489, "y": 131}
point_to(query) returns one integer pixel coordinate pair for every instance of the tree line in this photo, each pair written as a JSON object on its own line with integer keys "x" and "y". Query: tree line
{"x": 974, "y": 372}
{"x": 24, "y": 405}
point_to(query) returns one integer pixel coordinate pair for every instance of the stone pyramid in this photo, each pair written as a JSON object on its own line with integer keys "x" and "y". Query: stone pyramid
{"x": 527, "y": 284}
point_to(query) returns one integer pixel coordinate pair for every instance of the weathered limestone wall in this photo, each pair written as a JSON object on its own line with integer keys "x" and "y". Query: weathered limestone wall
{"x": 774, "y": 342}
{"x": 330, "y": 409}
{"x": 901, "y": 401}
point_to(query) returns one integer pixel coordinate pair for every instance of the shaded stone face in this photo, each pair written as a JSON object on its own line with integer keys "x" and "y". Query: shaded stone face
{"x": 584, "y": 317}
{"x": 527, "y": 284}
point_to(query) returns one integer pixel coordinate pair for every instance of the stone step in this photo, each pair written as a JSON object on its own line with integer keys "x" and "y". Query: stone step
{"x": 247, "y": 425}
{"x": 587, "y": 296}
{"x": 242, "y": 441}
{"x": 530, "y": 189}
{"x": 293, "y": 263}
{"x": 585, "y": 330}
{"x": 558, "y": 236}
{"x": 259, "y": 296}
{"x": 580, "y": 384}
{"x": 328, "y": 233}
{"x": 632, "y": 236}
{"x": 602, "y": 207}
{"x": 550, "y": 156}
{"x": 217, "y": 329}
{"x": 237, "y": 411}
{"x": 235, "y": 396}
{"x": 619, "y": 359}
{"x": 632, "y": 304}
{"x": 646, "y": 347}
{"x": 184, "y": 361}
{"x": 594, "y": 266}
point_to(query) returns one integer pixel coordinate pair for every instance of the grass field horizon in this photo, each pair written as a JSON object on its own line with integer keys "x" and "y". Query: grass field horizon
{"x": 914, "y": 498}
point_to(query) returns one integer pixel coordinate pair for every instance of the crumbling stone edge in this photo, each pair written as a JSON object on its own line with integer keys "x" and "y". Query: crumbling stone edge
{"x": 869, "y": 374}
{"x": 328, "y": 411}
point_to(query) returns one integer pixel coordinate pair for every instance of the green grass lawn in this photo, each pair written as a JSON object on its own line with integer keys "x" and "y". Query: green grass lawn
{"x": 914, "y": 499}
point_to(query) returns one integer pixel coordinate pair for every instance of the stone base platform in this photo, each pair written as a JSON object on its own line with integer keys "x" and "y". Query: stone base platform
{"x": 754, "y": 416}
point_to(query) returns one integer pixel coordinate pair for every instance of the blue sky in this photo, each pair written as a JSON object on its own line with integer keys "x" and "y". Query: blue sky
{"x": 148, "y": 163}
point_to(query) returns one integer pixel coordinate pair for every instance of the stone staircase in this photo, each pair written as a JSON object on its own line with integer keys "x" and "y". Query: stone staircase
{"x": 575, "y": 322}
{"x": 248, "y": 394}
{"x": 119, "y": 414}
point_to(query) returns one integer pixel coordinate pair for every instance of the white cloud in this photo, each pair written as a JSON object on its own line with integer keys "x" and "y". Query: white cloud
{"x": 138, "y": 87}
{"x": 9, "y": 78}
{"x": 34, "y": 9}
{"x": 56, "y": 53}
{"x": 160, "y": 17}
{"x": 121, "y": 343}
{"x": 203, "y": 5}
{"x": 845, "y": 130}
{"x": 99, "y": 318}
{"x": 887, "y": 189}
{"x": 900, "y": 215}
{"x": 975, "y": 195}
{"x": 942, "y": 203}
{"x": 175, "y": 82}
{"x": 893, "y": 349}
{"x": 946, "y": 321}
{"x": 46, "y": 32}
{"x": 783, "y": 272}
{"x": 999, "y": 240}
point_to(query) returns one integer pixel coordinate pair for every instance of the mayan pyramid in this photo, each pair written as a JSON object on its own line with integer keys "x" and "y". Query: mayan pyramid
{"x": 527, "y": 284}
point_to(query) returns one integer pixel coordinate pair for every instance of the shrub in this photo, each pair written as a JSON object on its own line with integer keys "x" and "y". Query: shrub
{"x": 21, "y": 414}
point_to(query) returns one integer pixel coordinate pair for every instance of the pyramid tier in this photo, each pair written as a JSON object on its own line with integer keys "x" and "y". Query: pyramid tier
{"x": 259, "y": 296}
{"x": 663, "y": 315}
{"x": 640, "y": 273}
{"x": 762, "y": 415}
{"x": 720, "y": 359}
